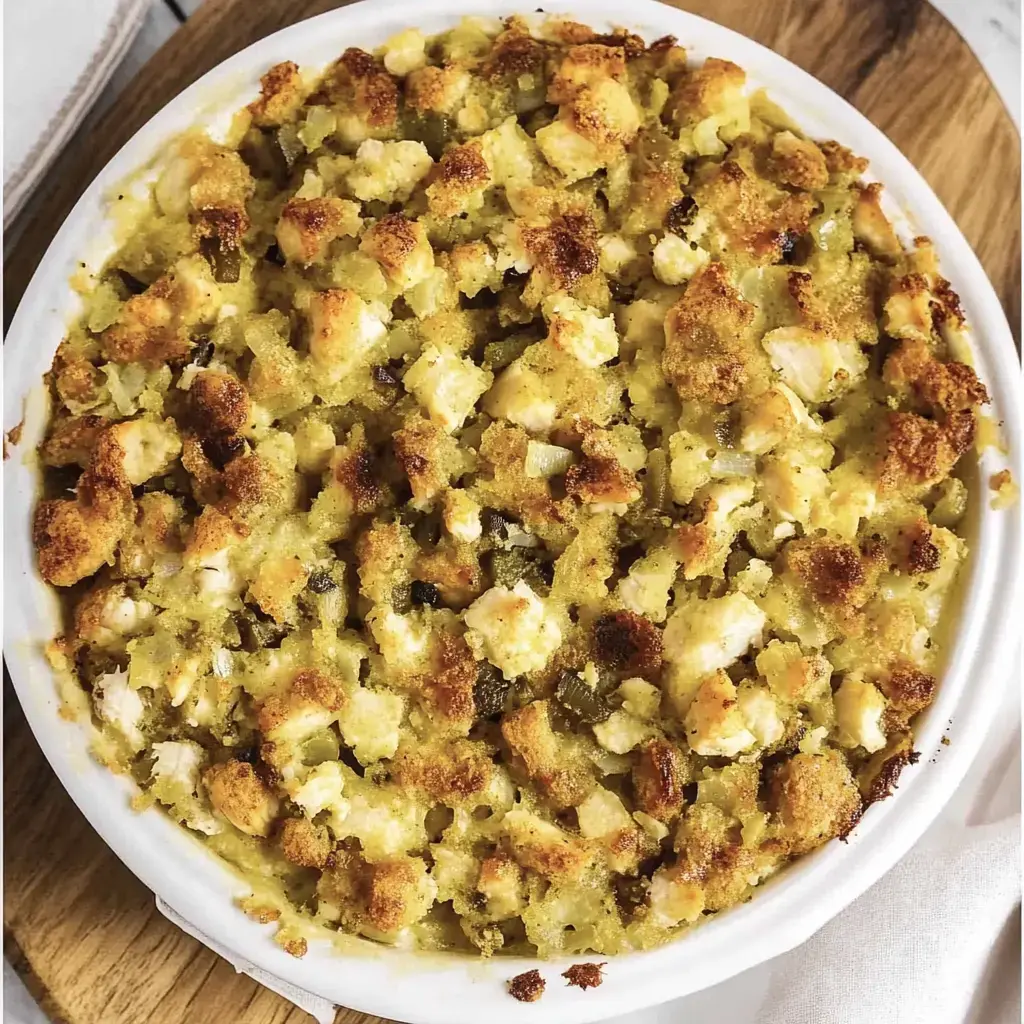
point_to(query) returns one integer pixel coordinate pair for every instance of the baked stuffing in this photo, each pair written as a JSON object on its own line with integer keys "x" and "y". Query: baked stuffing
{"x": 504, "y": 491}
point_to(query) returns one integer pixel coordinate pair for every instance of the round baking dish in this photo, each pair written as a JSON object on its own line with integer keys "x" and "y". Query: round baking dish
{"x": 436, "y": 989}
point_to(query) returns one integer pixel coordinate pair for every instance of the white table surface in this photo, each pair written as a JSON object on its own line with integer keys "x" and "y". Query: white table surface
{"x": 992, "y": 28}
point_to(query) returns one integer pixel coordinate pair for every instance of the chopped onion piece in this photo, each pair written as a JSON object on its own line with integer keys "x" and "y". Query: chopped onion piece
{"x": 221, "y": 663}
{"x": 730, "y": 463}
{"x": 519, "y": 538}
{"x": 546, "y": 459}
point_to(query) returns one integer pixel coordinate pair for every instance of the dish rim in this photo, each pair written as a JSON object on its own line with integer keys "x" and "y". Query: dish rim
{"x": 436, "y": 989}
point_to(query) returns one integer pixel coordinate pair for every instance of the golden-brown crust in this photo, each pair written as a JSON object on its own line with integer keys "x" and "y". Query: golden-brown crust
{"x": 871, "y": 227}
{"x": 951, "y": 387}
{"x": 813, "y": 313}
{"x": 451, "y": 774}
{"x": 392, "y": 892}
{"x": 798, "y": 162}
{"x": 296, "y": 947}
{"x": 206, "y": 479}
{"x": 104, "y": 482}
{"x": 392, "y": 241}
{"x": 840, "y": 313}
{"x": 515, "y": 52}
{"x": 75, "y": 379}
{"x": 699, "y": 93}
{"x": 219, "y": 195}
{"x": 278, "y": 582}
{"x": 241, "y": 796}
{"x": 385, "y": 553}
{"x": 149, "y": 346}
{"x": 561, "y": 857}
{"x": 597, "y": 240}
{"x": 946, "y": 306}
{"x": 218, "y": 404}
{"x": 940, "y": 387}
{"x": 212, "y": 531}
{"x": 699, "y": 545}
{"x": 304, "y": 843}
{"x": 359, "y": 81}
{"x": 448, "y": 687}
{"x": 727, "y": 878}
{"x": 919, "y": 452}
{"x": 841, "y": 160}
{"x": 704, "y": 837}
{"x": 708, "y": 345}
{"x": 908, "y": 689}
{"x": 528, "y": 731}
{"x": 815, "y": 798}
{"x": 659, "y": 775}
{"x": 428, "y": 455}
{"x": 155, "y": 532}
{"x": 281, "y": 94}
{"x": 529, "y": 734}
{"x": 959, "y": 429}
{"x": 310, "y": 688}
{"x": 318, "y": 688}
{"x": 455, "y": 570}
{"x": 586, "y": 65}
{"x": 248, "y": 483}
{"x": 345, "y": 882}
{"x": 74, "y": 538}
{"x": 496, "y": 870}
{"x": 628, "y": 643}
{"x": 527, "y": 987}
{"x": 153, "y": 327}
{"x": 504, "y": 448}
{"x": 633, "y": 45}
{"x": 833, "y": 571}
{"x": 435, "y": 89}
{"x": 91, "y": 611}
{"x": 601, "y": 480}
{"x": 752, "y": 213}
{"x": 71, "y": 440}
{"x": 354, "y": 467}
{"x": 226, "y": 225}
{"x": 908, "y": 308}
{"x": 389, "y": 882}
{"x": 838, "y": 577}
{"x": 336, "y": 324}
{"x": 461, "y": 174}
{"x": 307, "y": 227}
{"x": 914, "y": 550}
{"x": 566, "y": 249}
{"x": 882, "y": 783}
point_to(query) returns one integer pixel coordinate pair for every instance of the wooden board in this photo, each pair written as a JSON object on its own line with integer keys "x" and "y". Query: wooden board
{"x": 81, "y": 930}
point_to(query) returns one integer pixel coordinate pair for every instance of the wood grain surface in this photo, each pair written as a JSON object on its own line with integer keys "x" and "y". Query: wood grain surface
{"x": 82, "y": 931}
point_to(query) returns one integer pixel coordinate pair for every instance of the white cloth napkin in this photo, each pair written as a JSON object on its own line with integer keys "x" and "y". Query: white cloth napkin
{"x": 924, "y": 944}
{"x": 58, "y": 55}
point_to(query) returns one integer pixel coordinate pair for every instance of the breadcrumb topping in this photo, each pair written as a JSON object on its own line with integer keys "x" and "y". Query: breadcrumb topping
{"x": 506, "y": 499}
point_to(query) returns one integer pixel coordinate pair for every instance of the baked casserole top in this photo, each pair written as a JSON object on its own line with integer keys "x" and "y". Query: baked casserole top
{"x": 503, "y": 490}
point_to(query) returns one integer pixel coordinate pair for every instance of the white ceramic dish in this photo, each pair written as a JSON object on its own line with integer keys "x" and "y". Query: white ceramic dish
{"x": 452, "y": 990}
